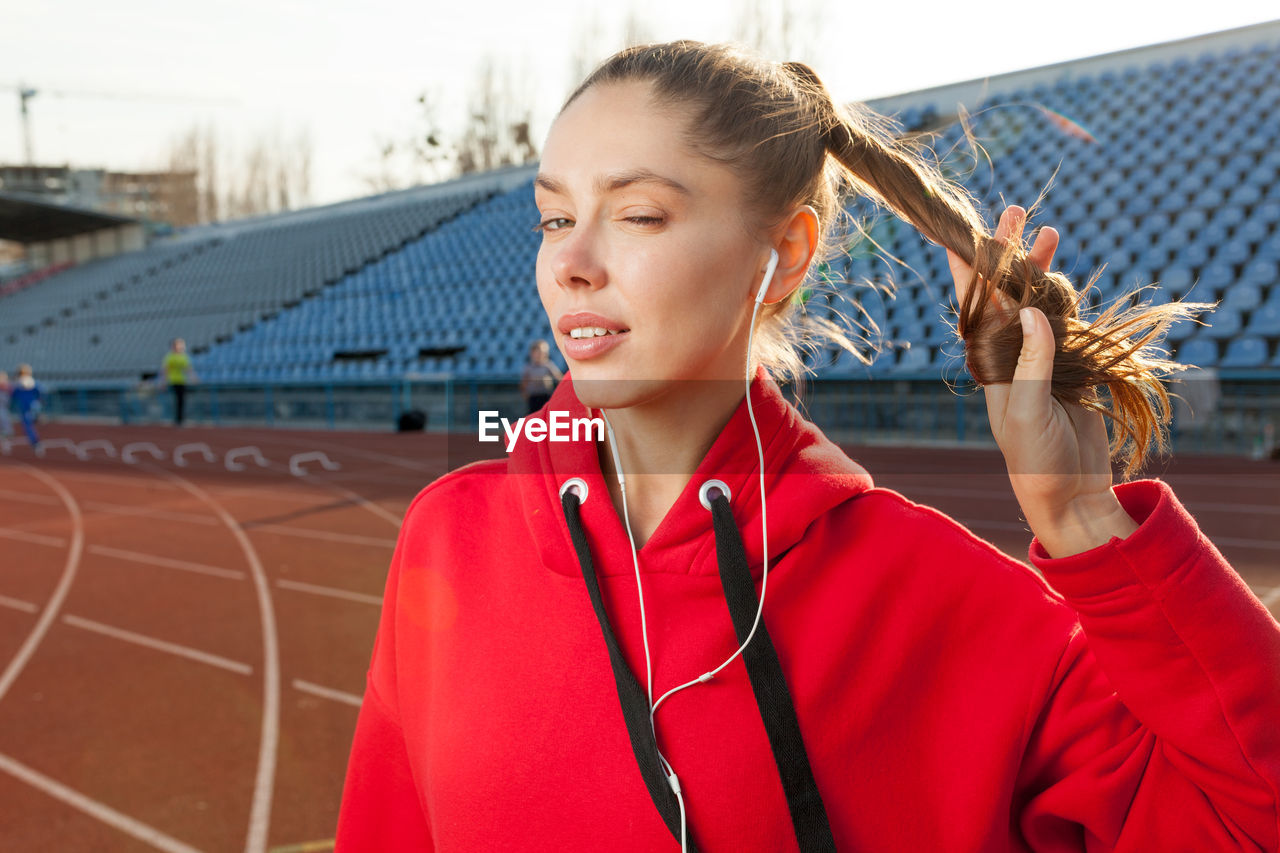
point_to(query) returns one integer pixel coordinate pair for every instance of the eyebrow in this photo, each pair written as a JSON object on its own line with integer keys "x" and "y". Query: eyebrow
{"x": 617, "y": 181}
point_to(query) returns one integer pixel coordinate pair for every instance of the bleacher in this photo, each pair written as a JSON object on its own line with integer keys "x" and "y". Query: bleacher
{"x": 1177, "y": 182}
{"x": 113, "y": 319}
{"x": 467, "y": 287}
{"x": 1166, "y": 172}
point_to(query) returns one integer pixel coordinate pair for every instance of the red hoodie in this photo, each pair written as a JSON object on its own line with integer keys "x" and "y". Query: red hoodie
{"x": 949, "y": 698}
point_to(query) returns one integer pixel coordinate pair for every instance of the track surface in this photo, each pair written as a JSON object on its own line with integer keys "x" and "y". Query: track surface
{"x": 183, "y": 646}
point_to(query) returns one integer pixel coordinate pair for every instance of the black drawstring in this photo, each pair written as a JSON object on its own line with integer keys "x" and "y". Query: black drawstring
{"x": 808, "y": 815}
{"x": 635, "y": 703}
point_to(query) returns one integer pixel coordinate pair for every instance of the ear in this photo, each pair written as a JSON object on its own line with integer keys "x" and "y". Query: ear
{"x": 796, "y": 240}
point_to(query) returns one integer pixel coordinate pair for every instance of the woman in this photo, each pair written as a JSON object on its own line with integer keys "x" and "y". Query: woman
{"x": 539, "y": 377}
{"x": 910, "y": 687}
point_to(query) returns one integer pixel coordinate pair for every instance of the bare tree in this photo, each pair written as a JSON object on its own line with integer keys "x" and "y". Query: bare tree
{"x": 274, "y": 174}
{"x": 497, "y": 130}
{"x": 590, "y": 47}
{"x": 423, "y": 157}
{"x": 183, "y": 199}
{"x": 785, "y": 30}
{"x": 209, "y": 175}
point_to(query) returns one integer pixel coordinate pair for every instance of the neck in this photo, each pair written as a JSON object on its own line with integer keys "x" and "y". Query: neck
{"x": 661, "y": 443}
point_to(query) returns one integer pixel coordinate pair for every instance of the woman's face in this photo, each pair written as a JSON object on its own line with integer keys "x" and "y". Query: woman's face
{"x": 647, "y": 239}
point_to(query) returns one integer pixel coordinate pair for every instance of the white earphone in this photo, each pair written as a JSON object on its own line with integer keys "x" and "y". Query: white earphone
{"x": 673, "y": 780}
{"x": 769, "y": 270}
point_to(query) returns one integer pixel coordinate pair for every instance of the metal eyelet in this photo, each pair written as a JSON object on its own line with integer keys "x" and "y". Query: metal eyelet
{"x": 579, "y": 487}
{"x": 718, "y": 485}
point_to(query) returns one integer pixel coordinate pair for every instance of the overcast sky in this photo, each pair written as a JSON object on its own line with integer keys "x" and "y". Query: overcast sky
{"x": 348, "y": 72}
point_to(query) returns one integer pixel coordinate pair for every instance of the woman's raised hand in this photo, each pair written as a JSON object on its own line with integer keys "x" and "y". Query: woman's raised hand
{"x": 1057, "y": 456}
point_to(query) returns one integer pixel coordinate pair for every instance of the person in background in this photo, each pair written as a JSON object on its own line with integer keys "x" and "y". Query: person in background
{"x": 539, "y": 377}
{"x": 176, "y": 372}
{"x": 6, "y": 425}
{"x": 26, "y": 393}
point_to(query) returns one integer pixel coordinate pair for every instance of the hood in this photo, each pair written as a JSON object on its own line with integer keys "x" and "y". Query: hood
{"x": 806, "y": 475}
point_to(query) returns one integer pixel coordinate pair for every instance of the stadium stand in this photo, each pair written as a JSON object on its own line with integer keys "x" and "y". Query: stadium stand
{"x": 109, "y": 319}
{"x": 1157, "y": 164}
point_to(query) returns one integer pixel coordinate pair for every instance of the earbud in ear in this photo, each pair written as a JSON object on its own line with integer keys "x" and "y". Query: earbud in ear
{"x": 768, "y": 275}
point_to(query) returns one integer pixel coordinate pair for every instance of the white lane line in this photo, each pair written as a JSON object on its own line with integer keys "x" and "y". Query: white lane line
{"x": 328, "y": 693}
{"x": 54, "y": 604}
{"x": 264, "y": 781}
{"x": 26, "y": 606}
{"x": 331, "y": 592}
{"x": 159, "y": 645}
{"x": 359, "y": 499}
{"x": 166, "y": 562}
{"x": 34, "y": 538}
{"x": 93, "y": 808}
{"x": 327, "y": 535}
{"x": 27, "y": 497}
{"x": 148, "y": 512}
{"x": 391, "y": 518}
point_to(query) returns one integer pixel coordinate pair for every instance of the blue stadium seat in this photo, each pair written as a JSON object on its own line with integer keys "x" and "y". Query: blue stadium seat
{"x": 1176, "y": 280}
{"x": 1265, "y": 321}
{"x": 1234, "y": 251}
{"x": 1261, "y": 273}
{"x": 1182, "y": 330}
{"x": 1245, "y": 352}
{"x": 1223, "y": 323}
{"x": 1199, "y": 351}
{"x": 915, "y": 360}
{"x": 1217, "y": 277}
{"x": 884, "y": 361}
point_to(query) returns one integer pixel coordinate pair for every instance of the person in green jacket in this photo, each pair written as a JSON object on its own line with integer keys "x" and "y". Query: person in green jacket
{"x": 176, "y": 372}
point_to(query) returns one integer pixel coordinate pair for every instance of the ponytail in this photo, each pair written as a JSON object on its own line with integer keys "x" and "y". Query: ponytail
{"x": 778, "y": 128}
{"x": 1115, "y": 350}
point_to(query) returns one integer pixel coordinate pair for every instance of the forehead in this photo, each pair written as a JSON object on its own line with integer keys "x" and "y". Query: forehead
{"x": 620, "y": 128}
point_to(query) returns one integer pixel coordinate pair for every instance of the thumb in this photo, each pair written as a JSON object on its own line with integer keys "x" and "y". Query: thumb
{"x": 1030, "y": 395}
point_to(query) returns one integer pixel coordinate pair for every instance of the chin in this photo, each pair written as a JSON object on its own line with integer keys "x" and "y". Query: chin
{"x": 599, "y": 388}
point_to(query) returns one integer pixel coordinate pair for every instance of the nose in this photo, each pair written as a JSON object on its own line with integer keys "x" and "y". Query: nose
{"x": 577, "y": 259}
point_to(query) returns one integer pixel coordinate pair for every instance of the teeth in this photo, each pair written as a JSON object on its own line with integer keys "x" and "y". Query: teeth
{"x": 590, "y": 332}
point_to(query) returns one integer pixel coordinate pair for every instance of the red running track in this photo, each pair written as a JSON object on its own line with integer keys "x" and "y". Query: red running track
{"x": 183, "y": 646}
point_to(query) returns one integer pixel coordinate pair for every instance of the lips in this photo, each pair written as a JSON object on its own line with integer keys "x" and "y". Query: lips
{"x": 581, "y": 349}
{"x": 582, "y": 319}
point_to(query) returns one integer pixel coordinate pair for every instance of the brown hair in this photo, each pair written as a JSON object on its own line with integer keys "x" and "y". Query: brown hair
{"x": 778, "y": 128}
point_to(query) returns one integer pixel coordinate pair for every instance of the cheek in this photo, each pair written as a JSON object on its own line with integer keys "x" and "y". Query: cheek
{"x": 544, "y": 280}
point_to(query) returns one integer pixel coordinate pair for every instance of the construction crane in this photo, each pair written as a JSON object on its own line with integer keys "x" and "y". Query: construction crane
{"x": 26, "y": 93}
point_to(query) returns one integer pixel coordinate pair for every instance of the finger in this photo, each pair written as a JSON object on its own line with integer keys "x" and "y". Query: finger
{"x": 1030, "y": 398}
{"x": 1011, "y": 223}
{"x": 1043, "y": 249}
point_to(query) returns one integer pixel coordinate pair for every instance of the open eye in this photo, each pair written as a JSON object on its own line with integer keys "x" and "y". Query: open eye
{"x": 554, "y": 223}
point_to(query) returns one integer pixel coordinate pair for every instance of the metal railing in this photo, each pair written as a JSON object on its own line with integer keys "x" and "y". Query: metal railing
{"x": 1237, "y": 413}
